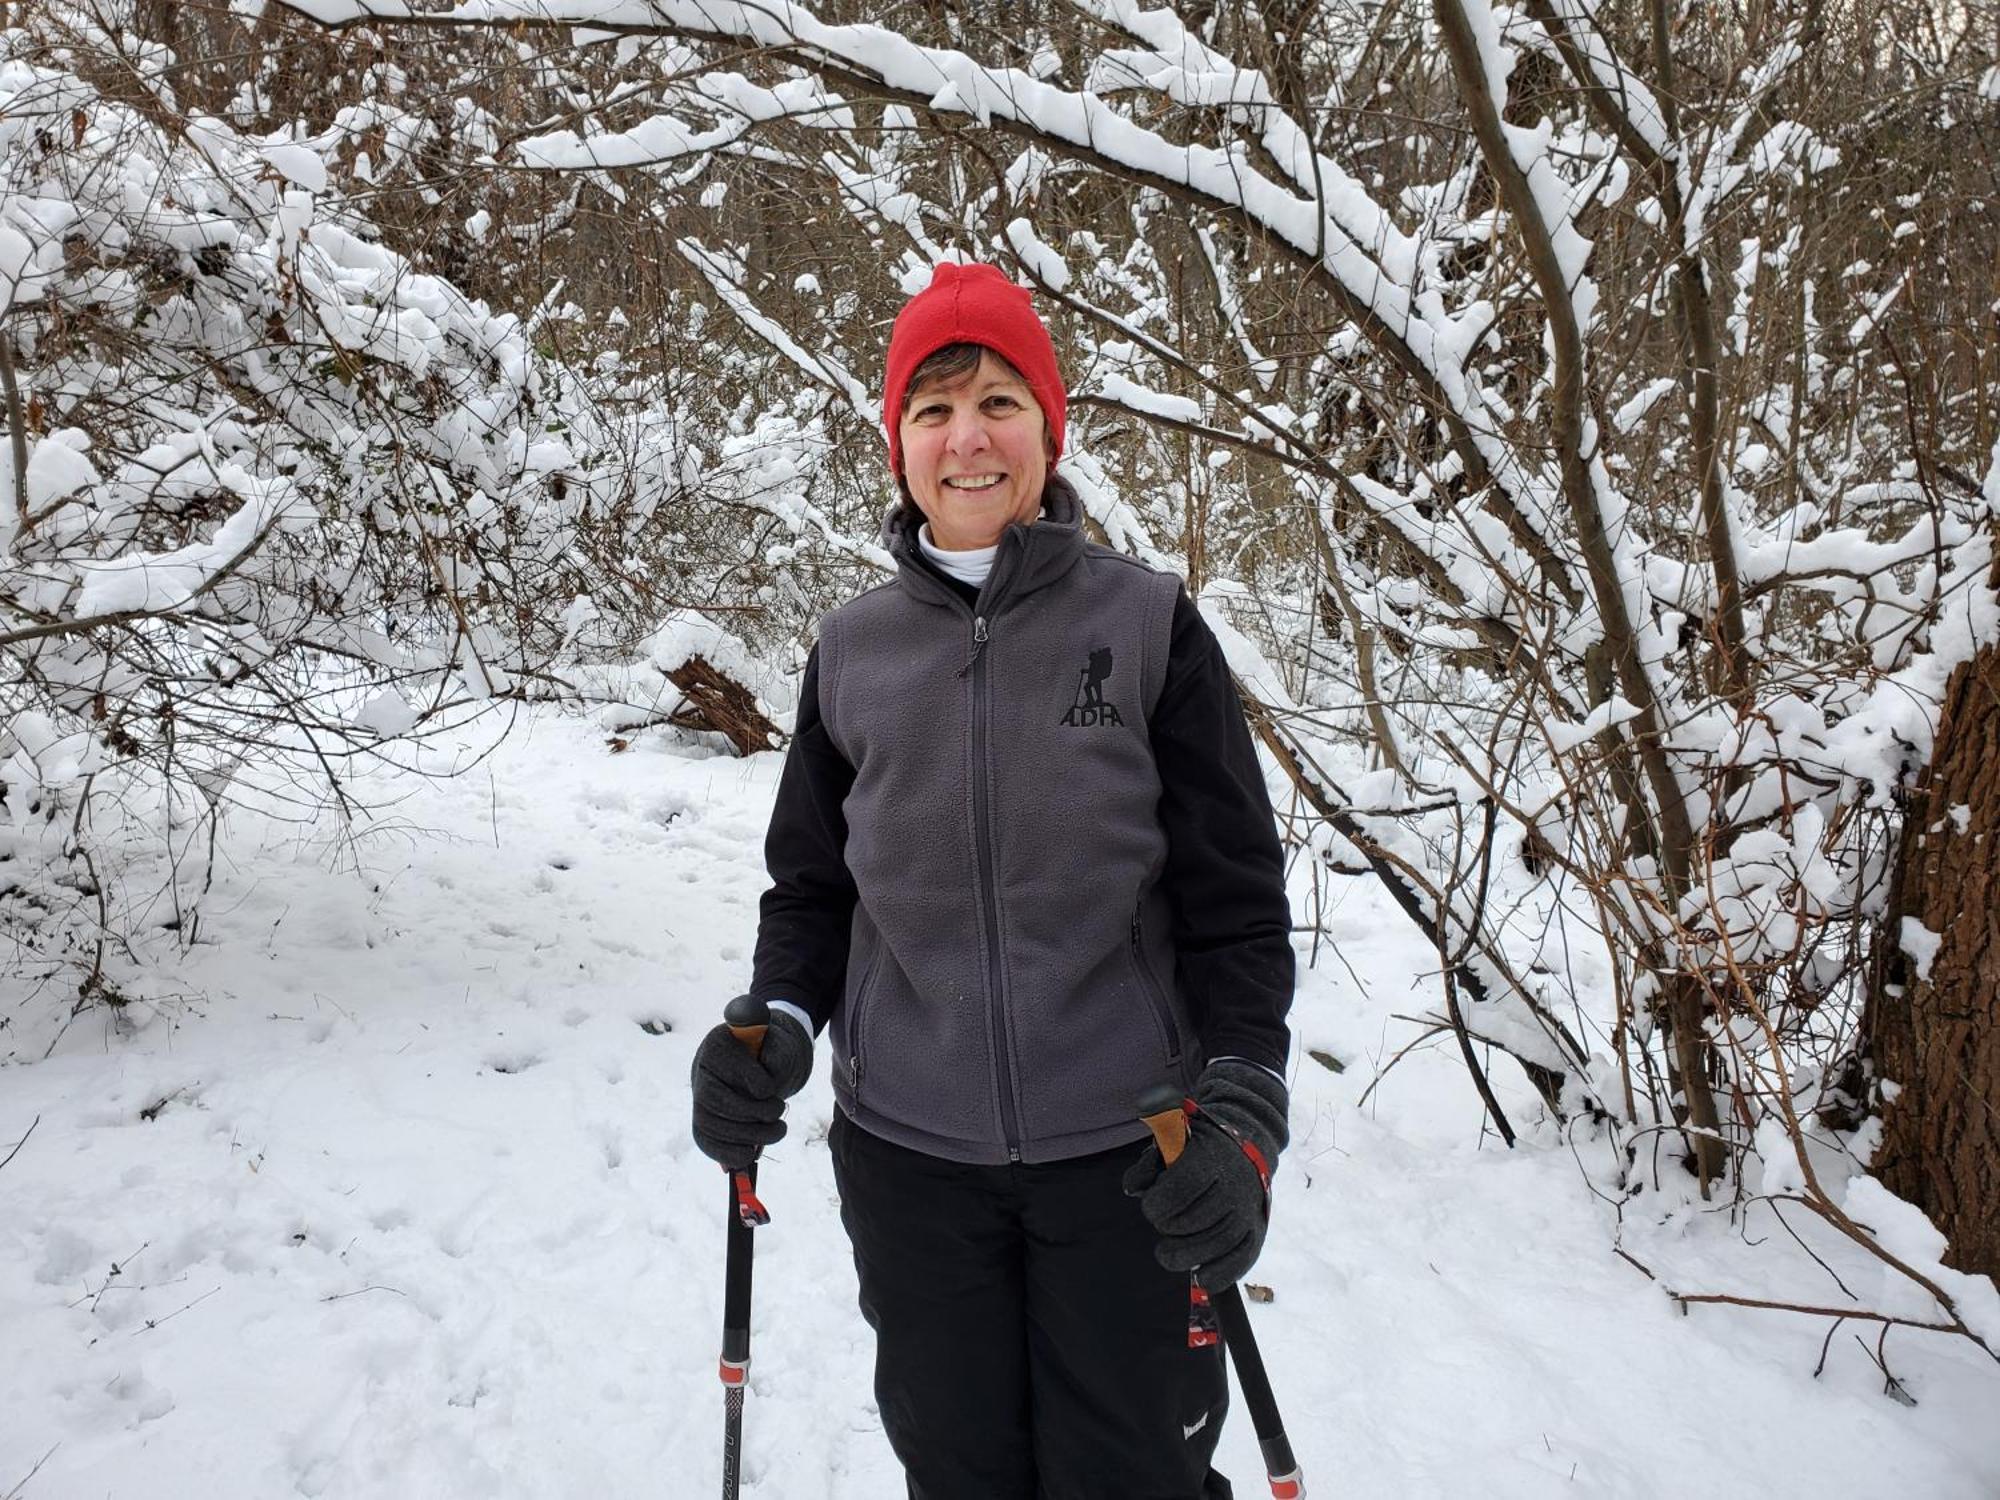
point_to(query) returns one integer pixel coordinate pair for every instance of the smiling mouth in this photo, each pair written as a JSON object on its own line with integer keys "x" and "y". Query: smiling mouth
{"x": 974, "y": 481}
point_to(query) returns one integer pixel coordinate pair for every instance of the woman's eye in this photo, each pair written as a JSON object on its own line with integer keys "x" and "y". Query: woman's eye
{"x": 1001, "y": 403}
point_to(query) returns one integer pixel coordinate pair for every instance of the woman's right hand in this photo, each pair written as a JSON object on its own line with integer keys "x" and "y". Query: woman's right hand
{"x": 739, "y": 1097}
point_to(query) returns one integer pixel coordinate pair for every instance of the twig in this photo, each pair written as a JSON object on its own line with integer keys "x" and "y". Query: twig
{"x": 17, "y": 433}
{"x": 14, "y": 1493}
{"x": 1436, "y": 1028}
{"x": 21, "y": 1142}
{"x": 152, "y": 1323}
{"x": 1783, "y": 1221}
{"x": 1453, "y": 962}
{"x": 1865, "y": 1316}
{"x": 1472, "y": 1061}
{"x": 1638, "y": 1265}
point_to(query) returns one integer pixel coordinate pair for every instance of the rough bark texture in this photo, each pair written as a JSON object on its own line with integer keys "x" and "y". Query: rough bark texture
{"x": 716, "y": 702}
{"x": 1940, "y": 1041}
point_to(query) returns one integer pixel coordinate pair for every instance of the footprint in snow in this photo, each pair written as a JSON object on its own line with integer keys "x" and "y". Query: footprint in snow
{"x": 670, "y": 810}
{"x": 146, "y": 1401}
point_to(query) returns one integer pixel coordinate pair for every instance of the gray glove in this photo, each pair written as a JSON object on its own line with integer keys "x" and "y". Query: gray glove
{"x": 1213, "y": 1204}
{"x": 739, "y": 1100}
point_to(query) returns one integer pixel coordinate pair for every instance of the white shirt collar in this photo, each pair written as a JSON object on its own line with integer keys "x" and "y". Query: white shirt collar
{"x": 970, "y": 566}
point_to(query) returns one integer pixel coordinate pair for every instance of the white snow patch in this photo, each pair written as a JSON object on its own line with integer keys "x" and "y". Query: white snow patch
{"x": 57, "y": 467}
{"x": 414, "y": 1204}
{"x": 1920, "y": 945}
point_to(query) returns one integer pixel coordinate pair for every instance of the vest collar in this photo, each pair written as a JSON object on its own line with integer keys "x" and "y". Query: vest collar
{"x": 1031, "y": 557}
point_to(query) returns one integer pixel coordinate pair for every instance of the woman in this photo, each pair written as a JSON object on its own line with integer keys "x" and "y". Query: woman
{"x": 1023, "y": 867}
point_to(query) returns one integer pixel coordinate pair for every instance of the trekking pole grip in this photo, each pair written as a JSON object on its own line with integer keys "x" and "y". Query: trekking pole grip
{"x": 748, "y": 1018}
{"x": 1162, "y": 1110}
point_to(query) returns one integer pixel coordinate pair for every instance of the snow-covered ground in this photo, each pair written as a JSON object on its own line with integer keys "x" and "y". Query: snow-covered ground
{"x": 403, "y": 1204}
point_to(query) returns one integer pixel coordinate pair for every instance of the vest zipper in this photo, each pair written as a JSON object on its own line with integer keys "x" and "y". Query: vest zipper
{"x": 978, "y": 644}
{"x": 854, "y": 1020}
{"x": 982, "y": 828}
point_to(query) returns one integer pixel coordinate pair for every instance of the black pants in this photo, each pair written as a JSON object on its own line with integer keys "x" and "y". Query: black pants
{"x": 1028, "y": 1346}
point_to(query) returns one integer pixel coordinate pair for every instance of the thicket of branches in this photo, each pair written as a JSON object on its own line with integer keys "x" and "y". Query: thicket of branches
{"x": 278, "y": 497}
{"x": 1580, "y": 420}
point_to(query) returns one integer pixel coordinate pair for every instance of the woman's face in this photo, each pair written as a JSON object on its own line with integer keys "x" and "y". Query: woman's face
{"x": 975, "y": 454}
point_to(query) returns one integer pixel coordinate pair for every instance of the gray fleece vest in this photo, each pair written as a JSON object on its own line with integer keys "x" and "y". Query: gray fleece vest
{"x": 1010, "y": 985}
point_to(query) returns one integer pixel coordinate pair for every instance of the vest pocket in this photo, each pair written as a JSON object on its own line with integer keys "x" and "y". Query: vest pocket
{"x": 855, "y": 1008}
{"x": 1156, "y": 998}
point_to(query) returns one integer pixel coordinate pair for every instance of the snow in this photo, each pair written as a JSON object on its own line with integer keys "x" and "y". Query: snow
{"x": 1920, "y": 944}
{"x": 400, "y": 1199}
{"x": 1609, "y": 714}
{"x": 1039, "y": 257}
{"x": 1129, "y": 393}
{"x": 385, "y": 713}
{"x": 1634, "y": 411}
{"x": 300, "y": 164}
{"x": 17, "y": 253}
{"x": 57, "y": 467}
{"x": 1626, "y": 92}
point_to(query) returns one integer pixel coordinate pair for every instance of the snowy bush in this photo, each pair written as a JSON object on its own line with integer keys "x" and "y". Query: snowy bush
{"x": 279, "y": 500}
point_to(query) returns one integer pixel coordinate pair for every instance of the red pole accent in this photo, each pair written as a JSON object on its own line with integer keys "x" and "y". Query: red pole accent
{"x": 748, "y": 1209}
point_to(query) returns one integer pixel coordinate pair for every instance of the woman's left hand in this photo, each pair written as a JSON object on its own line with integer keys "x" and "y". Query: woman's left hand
{"x": 1213, "y": 1205}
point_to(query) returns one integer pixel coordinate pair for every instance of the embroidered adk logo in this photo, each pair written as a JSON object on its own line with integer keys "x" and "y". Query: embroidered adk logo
{"x": 1089, "y": 706}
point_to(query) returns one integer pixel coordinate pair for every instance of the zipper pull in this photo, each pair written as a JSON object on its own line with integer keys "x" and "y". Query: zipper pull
{"x": 978, "y": 644}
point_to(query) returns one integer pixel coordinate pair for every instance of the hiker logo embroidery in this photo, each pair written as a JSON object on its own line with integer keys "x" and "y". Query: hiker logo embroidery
{"x": 1090, "y": 707}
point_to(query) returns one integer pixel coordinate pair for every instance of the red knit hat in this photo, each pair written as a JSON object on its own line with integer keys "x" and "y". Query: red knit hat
{"x": 972, "y": 304}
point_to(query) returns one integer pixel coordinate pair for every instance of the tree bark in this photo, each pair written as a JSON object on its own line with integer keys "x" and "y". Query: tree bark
{"x": 1937, "y": 1035}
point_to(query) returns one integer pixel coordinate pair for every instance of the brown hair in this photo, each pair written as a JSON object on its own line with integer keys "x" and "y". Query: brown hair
{"x": 950, "y": 363}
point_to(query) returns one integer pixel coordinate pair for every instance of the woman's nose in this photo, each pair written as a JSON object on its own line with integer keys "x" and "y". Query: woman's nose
{"x": 967, "y": 433}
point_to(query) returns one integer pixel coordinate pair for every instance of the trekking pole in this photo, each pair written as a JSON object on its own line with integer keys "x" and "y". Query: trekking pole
{"x": 747, "y": 1018}
{"x": 1166, "y": 1113}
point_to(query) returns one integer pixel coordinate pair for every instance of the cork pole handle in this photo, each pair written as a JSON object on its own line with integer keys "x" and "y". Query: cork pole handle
{"x": 1161, "y": 1109}
{"x": 748, "y": 1019}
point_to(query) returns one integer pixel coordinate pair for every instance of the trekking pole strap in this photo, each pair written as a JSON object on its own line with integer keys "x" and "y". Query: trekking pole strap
{"x": 1168, "y": 1120}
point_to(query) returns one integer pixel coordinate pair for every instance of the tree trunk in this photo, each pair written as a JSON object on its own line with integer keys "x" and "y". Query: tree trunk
{"x": 1937, "y": 1036}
